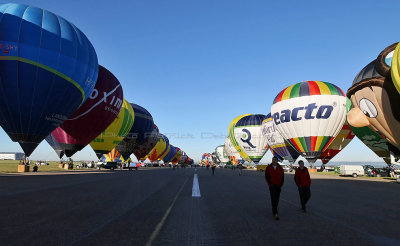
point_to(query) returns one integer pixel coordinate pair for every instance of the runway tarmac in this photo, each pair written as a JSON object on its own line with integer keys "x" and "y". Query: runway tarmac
{"x": 159, "y": 206}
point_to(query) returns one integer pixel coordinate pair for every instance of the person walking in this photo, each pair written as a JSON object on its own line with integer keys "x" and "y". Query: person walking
{"x": 275, "y": 177}
{"x": 213, "y": 169}
{"x": 303, "y": 182}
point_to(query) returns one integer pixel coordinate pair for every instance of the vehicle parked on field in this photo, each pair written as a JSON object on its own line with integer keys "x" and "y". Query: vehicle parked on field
{"x": 351, "y": 170}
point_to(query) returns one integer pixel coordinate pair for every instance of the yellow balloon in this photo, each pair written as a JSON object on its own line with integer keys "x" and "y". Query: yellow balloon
{"x": 395, "y": 68}
{"x": 233, "y": 139}
{"x": 176, "y": 158}
{"x": 158, "y": 150}
{"x": 165, "y": 153}
{"x": 115, "y": 132}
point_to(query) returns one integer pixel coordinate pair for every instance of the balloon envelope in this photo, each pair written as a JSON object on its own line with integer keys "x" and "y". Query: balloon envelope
{"x": 309, "y": 115}
{"x": 115, "y": 132}
{"x": 245, "y": 132}
{"x": 221, "y": 155}
{"x": 275, "y": 141}
{"x": 172, "y": 152}
{"x": 151, "y": 141}
{"x": 159, "y": 149}
{"x": 140, "y": 132}
{"x": 48, "y": 68}
{"x": 55, "y": 145}
{"x": 232, "y": 153}
{"x": 341, "y": 140}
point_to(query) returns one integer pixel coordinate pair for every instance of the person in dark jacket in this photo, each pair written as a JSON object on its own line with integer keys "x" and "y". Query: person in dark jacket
{"x": 303, "y": 182}
{"x": 274, "y": 176}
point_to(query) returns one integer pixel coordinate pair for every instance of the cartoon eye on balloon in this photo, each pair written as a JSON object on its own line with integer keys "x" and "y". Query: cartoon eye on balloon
{"x": 368, "y": 108}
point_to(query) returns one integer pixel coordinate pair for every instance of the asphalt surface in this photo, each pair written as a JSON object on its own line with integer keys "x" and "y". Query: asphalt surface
{"x": 155, "y": 207}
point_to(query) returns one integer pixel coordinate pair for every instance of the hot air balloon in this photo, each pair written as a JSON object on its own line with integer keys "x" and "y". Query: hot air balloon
{"x": 114, "y": 155}
{"x": 140, "y": 132}
{"x": 165, "y": 153}
{"x": 55, "y": 145}
{"x": 280, "y": 148}
{"x": 245, "y": 133}
{"x": 159, "y": 149}
{"x": 177, "y": 156}
{"x": 231, "y": 152}
{"x": 149, "y": 143}
{"x": 340, "y": 142}
{"x": 48, "y": 68}
{"x": 115, "y": 132}
{"x": 221, "y": 155}
{"x": 378, "y": 144}
{"x": 170, "y": 155}
{"x": 375, "y": 100}
{"x": 93, "y": 117}
{"x": 183, "y": 158}
{"x": 309, "y": 115}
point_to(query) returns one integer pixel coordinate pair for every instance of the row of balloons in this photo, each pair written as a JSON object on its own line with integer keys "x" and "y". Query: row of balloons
{"x": 316, "y": 119}
{"x": 53, "y": 88}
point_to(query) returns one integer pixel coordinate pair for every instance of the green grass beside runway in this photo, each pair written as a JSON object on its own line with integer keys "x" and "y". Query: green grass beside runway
{"x": 10, "y": 166}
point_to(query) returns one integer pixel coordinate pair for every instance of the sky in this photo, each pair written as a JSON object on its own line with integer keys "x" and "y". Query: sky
{"x": 196, "y": 65}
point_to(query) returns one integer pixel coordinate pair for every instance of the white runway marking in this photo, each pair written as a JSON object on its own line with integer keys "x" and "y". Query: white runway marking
{"x": 196, "y": 188}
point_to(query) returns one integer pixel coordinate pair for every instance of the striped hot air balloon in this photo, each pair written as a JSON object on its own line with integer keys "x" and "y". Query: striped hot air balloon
{"x": 279, "y": 147}
{"x": 309, "y": 115}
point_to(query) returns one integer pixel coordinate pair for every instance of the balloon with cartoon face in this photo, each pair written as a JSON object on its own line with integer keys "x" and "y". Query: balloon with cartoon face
{"x": 376, "y": 102}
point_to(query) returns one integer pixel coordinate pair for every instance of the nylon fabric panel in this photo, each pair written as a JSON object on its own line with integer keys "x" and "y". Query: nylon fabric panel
{"x": 110, "y": 137}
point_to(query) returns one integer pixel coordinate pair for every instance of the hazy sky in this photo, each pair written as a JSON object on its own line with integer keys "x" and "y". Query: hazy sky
{"x": 197, "y": 64}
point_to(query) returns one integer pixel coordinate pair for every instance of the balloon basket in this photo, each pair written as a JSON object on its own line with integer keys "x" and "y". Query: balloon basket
{"x": 68, "y": 166}
{"x": 23, "y": 168}
{"x": 61, "y": 165}
{"x": 312, "y": 170}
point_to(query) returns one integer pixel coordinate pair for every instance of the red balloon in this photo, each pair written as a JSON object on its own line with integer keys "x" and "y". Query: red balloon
{"x": 93, "y": 117}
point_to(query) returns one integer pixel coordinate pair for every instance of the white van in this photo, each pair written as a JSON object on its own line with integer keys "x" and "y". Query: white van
{"x": 351, "y": 170}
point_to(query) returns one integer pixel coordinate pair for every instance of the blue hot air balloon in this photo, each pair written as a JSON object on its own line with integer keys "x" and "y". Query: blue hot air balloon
{"x": 140, "y": 133}
{"x": 48, "y": 68}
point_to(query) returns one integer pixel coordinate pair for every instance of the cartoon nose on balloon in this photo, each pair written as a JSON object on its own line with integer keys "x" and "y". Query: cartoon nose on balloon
{"x": 357, "y": 118}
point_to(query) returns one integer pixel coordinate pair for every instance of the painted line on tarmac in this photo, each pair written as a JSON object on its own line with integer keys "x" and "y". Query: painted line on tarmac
{"x": 196, "y": 188}
{"x": 164, "y": 218}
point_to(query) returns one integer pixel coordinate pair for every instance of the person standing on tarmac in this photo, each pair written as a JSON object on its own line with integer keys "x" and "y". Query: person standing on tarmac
{"x": 275, "y": 177}
{"x": 303, "y": 182}
{"x": 213, "y": 169}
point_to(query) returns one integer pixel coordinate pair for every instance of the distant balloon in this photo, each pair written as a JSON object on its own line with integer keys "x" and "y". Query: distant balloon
{"x": 140, "y": 133}
{"x": 278, "y": 145}
{"x": 93, "y": 117}
{"x": 231, "y": 152}
{"x": 245, "y": 133}
{"x": 221, "y": 155}
{"x": 159, "y": 149}
{"x": 113, "y": 155}
{"x": 148, "y": 145}
{"x": 177, "y": 156}
{"x": 309, "y": 115}
{"x": 115, "y": 132}
{"x": 165, "y": 153}
{"x": 48, "y": 68}
{"x": 172, "y": 152}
